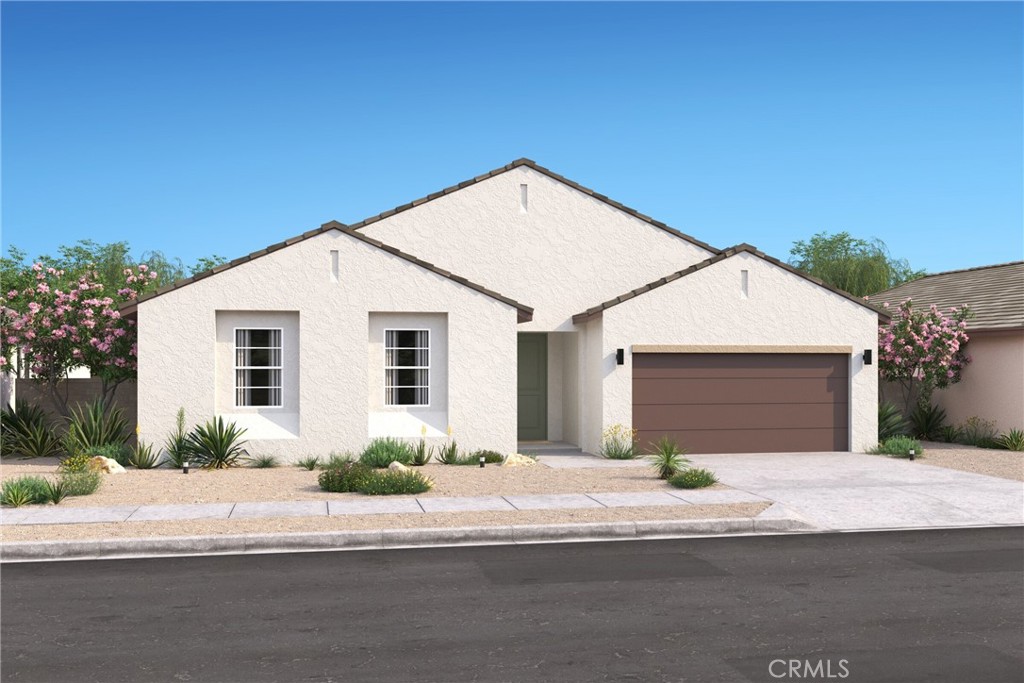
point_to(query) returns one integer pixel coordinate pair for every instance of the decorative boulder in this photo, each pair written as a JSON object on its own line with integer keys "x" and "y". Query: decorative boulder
{"x": 519, "y": 460}
{"x": 107, "y": 465}
{"x": 398, "y": 467}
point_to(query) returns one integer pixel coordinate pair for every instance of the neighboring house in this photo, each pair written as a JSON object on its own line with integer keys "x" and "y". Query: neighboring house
{"x": 515, "y": 306}
{"x": 992, "y": 387}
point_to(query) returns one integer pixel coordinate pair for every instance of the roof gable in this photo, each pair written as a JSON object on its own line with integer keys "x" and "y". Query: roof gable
{"x": 995, "y": 294}
{"x": 596, "y": 311}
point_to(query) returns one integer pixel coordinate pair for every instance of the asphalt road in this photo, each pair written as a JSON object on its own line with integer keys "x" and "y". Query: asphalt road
{"x": 896, "y": 606}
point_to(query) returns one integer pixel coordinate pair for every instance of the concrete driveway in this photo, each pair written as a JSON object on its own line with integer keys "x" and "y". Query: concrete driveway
{"x": 848, "y": 491}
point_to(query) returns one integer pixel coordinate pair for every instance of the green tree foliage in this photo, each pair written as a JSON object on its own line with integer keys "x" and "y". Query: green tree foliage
{"x": 857, "y": 266}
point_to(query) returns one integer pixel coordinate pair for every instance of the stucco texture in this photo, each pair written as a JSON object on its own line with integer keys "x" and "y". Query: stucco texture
{"x": 992, "y": 386}
{"x": 708, "y": 307}
{"x": 179, "y": 364}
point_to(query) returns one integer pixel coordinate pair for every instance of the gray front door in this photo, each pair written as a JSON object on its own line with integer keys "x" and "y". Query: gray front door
{"x": 533, "y": 387}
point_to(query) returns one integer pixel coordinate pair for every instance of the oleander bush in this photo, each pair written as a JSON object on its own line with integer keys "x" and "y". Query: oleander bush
{"x": 381, "y": 452}
{"x": 899, "y": 447}
{"x": 346, "y": 477}
{"x": 890, "y": 421}
{"x": 693, "y": 478}
{"x": 390, "y": 482}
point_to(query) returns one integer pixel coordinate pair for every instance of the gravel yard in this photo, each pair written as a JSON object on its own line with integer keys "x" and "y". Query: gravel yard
{"x": 243, "y": 484}
{"x": 65, "y": 532}
{"x": 992, "y": 462}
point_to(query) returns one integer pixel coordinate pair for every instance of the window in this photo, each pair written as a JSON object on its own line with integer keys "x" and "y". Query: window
{"x": 258, "y": 368}
{"x": 406, "y": 367}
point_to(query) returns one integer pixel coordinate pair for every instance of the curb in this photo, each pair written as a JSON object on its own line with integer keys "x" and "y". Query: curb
{"x": 34, "y": 551}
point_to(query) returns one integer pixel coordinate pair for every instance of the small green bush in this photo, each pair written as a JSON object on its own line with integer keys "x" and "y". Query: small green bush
{"x": 693, "y": 478}
{"x": 310, "y": 463}
{"x": 668, "y": 458}
{"x": 336, "y": 460}
{"x": 390, "y": 482}
{"x": 262, "y": 462}
{"x": 26, "y": 490}
{"x": 79, "y": 462}
{"x": 899, "y": 447}
{"x": 978, "y": 432}
{"x": 382, "y": 452}
{"x": 345, "y": 478}
{"x": 81, "y": 483}
{"x": 927, "y": 421}
{"x": 143, "y": 457}
{"x": 949, "y": 434}
{"x": 120, "y": 453}
{"x": 890, "y": 421}
{"x": 56, "y": 491}
{"x": 1012, "y": 440}
{"x": 448, "y": 454}
{"x": 94, "y": 425}
{"x": 618, "y": 443}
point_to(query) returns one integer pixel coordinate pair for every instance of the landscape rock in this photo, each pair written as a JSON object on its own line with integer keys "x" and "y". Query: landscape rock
{"x": 107, "y": 465}
{"x": 398, "y": 467}
{"x": 519, "y": 460}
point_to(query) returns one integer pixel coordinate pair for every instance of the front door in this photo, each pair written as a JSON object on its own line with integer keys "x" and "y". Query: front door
{"x": 533, "y": 387}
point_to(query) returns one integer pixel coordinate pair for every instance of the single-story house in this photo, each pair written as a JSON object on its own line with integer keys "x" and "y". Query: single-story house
{"x": 515, "y": 306}
{"x": 992, "y": 386}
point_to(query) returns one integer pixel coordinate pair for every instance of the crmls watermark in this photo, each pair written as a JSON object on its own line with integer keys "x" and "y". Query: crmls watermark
{"x": 808, "y": 670}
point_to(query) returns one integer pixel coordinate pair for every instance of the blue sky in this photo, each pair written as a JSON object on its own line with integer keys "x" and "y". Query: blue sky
{"x": 203, "y": 128}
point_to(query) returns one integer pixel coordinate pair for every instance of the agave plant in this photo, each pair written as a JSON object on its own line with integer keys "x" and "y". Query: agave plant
{"x": 143, "y": 456}
{"x": 216, "y": 445}
{"x": 26, "y": 431}
{"x": 927, "y": 421}
{"x": 94, "y": 425}
{"x": 890, "y": 421}
{"x": 668, "y": 458}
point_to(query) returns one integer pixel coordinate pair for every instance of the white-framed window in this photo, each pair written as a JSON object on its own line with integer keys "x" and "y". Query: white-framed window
{"x": 407, "y": 368}
{"x": 259, "y": 367}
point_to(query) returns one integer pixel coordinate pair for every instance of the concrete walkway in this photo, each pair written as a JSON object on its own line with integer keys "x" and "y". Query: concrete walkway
{"x": 367, "y": 506}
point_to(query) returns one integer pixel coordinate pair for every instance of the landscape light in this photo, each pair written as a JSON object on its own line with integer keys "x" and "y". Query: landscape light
{"x": 184, "y": 467}
{"x": 481, "y": 462}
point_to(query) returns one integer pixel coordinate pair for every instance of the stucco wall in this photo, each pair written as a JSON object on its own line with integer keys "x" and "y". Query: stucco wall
{"x": 992, "y": 387}
{"x": 565, "y": 253}
{"x": 708, "y": 307}
{"x": 178, "y": 362}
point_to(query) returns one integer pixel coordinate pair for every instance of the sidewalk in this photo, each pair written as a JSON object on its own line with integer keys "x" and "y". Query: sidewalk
{"x": 368, "y": 506}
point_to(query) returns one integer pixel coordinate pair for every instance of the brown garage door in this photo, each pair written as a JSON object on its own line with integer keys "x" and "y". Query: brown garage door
{"x": 742, "y": 403}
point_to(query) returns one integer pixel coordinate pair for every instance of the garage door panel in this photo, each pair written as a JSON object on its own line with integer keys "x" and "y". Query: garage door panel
{"x": 751, "y": 440}
{"x": 660, "y": 418}
{"x": 675, "y": 391}
{"x": 739, "y": 365}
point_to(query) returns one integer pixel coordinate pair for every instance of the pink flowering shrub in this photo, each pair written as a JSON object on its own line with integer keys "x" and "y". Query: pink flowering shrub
{"x": 58, "y": 323}
{"x": 923, "y": 348}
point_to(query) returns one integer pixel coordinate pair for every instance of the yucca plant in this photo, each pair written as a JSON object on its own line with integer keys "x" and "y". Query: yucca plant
{"x": 94, "y": 425}
{"x": 143, "y": 456}
{"x": 668, "y": 458}
{"x": 216, "y": 445}
{"x": 890, "y": 421}
{"x": 176, "y": 445}
{"x": 927, "y": 421}
{"x": 23, "y": 431}
{"x": 1012, "y": 440}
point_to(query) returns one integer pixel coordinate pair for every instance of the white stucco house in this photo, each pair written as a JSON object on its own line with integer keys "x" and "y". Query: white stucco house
{"x": 516, "y": 306}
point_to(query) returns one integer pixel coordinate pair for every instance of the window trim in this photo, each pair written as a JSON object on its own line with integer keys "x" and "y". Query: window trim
{"x": 236, "y": 367}
{"x": 428, "y": 367}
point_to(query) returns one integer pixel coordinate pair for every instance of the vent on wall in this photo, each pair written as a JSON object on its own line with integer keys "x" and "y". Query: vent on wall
{"x": 335, "y": 265}
{"x": 523, "y": 205}
{"x": 744, "y": 284}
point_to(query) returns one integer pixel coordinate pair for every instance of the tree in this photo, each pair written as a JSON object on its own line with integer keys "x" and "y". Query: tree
{"x": 857, "y": 266}
{"x": 925, "y": 349}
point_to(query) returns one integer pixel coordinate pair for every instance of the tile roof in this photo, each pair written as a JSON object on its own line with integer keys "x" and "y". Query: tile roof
{"x": 525, "y": 312}
{"x": 529, "y": 163}
{"x": 596, "y": 311}
{"x": 994, "y": 293}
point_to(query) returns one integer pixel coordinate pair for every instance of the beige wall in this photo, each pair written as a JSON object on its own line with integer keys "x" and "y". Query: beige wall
{"x": 708, "y": 307}
{"x": 992, "y": 387}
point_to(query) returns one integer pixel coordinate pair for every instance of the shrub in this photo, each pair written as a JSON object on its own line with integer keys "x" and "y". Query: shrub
{"x": 693, "y": 478}
{"x": 25, "y": 431}
{"x": 899, "y": 447}
{"x": 310, "y": 463}
{"x": 978, "y": 432}
{"x": 448, "y": 454}
{"x": 143, "y": 457}
{"x": 345, "y": 478}
{"x": 56, "y": 491}
{"x": 421, "y": 454}
{"x": 383, "y": 452}
{"x": 927, "y": 421}
{"x": 92, "y": 425}
{"x": 890, "y": 421}
{"x": 81, "y": 483}
{"x": 668, "y": 459}
{"x": 336, "y": 460}
{"x": 949, "y": 434}
{"x": 25, "y": 490}
{"x": 490, "y": 457}
{"x": 262, "y": 462}
{"x": 389, "y": 482}
{"x": 1012, "y": 440}
{"x": 618, "y": 443}
{"x": 216, "y": 445}
{"x": 119, "y": 453}
{"x": 79, "y": 462}
{"x": 176, "y": 445}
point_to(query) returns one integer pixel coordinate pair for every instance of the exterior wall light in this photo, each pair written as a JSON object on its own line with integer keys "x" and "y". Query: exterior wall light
{"x": 620, "y": 356}
{"x": 867, "y": 356}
